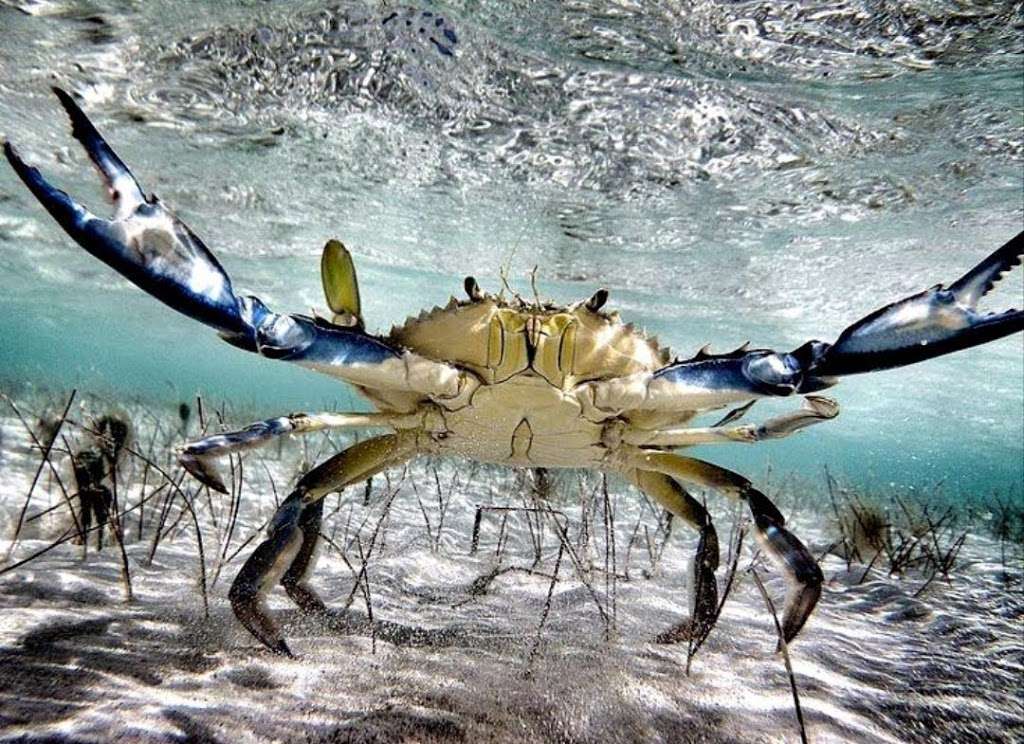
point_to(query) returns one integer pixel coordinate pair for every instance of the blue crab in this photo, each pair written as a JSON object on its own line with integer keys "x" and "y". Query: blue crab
{"x": 509, "y": 381}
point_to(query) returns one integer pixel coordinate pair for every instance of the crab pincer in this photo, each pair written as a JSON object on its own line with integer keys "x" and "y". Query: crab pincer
{"x": 149, "y": 245}
{"x": 144, "y": 241}
{"x": 936, "y": 321}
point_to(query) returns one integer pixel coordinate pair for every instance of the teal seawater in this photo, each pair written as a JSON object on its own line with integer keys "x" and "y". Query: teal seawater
{"x": 730, "y": 173}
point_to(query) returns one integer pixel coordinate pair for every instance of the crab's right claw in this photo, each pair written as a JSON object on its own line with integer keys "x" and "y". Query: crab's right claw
{"x": 937, "y": 321}
{"x": 149, "y": 245}
{"x": 144, "y": 241}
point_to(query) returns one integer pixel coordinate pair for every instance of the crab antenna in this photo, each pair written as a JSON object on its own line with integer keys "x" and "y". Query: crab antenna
{"x": 533, "y": 285}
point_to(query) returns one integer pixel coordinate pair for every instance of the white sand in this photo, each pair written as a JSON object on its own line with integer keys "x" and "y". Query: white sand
{"x": 873, "y": 664}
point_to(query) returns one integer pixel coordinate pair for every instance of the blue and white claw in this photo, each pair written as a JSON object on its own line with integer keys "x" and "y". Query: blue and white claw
{"x": 937, "y": 321}
{"x": 144, "y": 241}
{"x": 150, "y": 246}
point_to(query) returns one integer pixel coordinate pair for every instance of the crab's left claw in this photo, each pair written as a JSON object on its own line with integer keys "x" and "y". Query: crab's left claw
{"x": 144, "y": 241}
{"x": 937, "y": 321}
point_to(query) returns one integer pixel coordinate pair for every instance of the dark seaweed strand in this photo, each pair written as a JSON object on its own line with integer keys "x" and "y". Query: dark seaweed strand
{"x": 783, "y": 646}
{"x": 42, "y": 463}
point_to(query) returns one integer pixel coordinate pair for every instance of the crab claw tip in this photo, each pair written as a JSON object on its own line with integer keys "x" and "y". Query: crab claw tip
{"x": 12, "y": 154}
{"x": 202, "y": 471}
{"x": 981, "y": 279}
{"x": 122, "y": 188}
{"x": 64, "y": 97}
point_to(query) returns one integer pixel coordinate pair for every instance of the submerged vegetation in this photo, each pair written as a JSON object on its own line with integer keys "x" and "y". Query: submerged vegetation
{"x": 552, "y": 530}
{"x": 918, "y": 535}
{"x": 89, "y": 447}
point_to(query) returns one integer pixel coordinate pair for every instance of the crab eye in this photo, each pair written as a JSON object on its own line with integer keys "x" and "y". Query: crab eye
{"x": 945, "y": 297}
{"x": 472, "y": 289}
{"x": 597, "y": 300}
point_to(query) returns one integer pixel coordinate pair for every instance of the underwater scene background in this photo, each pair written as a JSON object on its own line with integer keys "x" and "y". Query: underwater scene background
{"x": 732, "y": 171}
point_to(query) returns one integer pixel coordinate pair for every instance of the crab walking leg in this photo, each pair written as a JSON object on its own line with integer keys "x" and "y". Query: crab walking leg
{"x": 287, "y": 554}
{"x": 816, "y": 409}
{"x": 197, "y": 457}
{"x": 149, "y": 245}
{"x": 678, "y": 502}
{"x": 782, "y": 546}
{"x": 295, "y": 578}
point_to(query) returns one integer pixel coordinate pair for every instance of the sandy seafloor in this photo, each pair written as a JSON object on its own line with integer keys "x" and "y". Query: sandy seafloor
{"x": 78, "y": 664}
